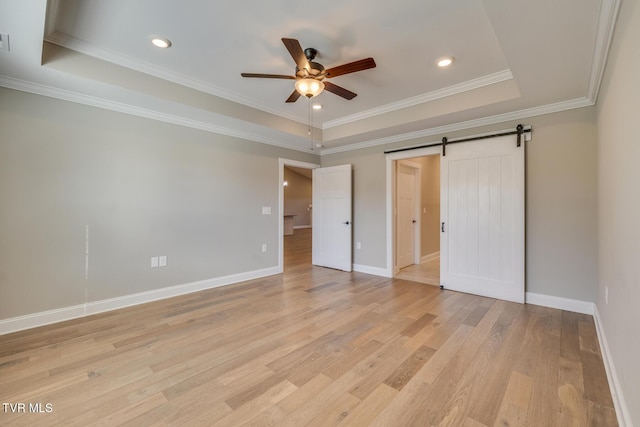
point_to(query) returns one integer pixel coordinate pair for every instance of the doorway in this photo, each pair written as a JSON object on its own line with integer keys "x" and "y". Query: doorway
{"x": 417, "y": 219}
{"x": 296, "y": 213}
{"x": 482, "y": 214}
{"x": 331, "y": 215}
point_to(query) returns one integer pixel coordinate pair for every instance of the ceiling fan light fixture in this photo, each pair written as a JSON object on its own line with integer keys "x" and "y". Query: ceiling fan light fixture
{"x": 309, "y": 87}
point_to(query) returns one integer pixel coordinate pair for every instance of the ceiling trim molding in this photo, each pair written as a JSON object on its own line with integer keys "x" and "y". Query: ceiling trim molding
{"x": 515, "y": 115}
{"x": 66, "y": 95}
{"x": 82, "y": 47}
{"x": 604, "y": 34}
{"x": 44, "y": 90}
{"x": 490, "y": 79}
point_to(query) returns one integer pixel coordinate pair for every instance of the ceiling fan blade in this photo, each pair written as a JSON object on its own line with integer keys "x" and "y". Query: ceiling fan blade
{"x": 294, "y": 48}
{"x": 294, "y": 96}
{"x": 339, "y": 90}
{"x": 268, "y": 76}
{"x": 351, "y": 67}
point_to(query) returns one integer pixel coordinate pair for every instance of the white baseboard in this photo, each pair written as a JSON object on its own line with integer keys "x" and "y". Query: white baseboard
{"x": 376, "y": 271}
{"x": 567, "y": 304}
{"x": 20, "y": 323}
{"x": 622, "y": 412}
{"x": 295, "y": 227}
{"x": 429, "y": 257}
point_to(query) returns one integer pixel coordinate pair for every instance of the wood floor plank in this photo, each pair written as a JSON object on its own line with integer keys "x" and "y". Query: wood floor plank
{"x": 570, "y": 339}
{"x": 312, "y": 346}
{"x": 369, "y": 409}
{"x": 262, "y": 402}
{"x": 543, "y": 408}
{"x": 337, "y": 411}
{"x": 596, "y": 385}
{"x": 514, "y": 404}
{"x": 495, "y": 375}
{"x": 587, "y": 336}
{"x": 305, "y": 393}
{"x": 407, "y": 369}
{"x": 310, "y": 409}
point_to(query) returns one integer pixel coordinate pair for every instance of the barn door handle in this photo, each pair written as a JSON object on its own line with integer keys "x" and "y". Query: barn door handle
{"x": 442, "y": 227}
{"x": 346, "y": 223}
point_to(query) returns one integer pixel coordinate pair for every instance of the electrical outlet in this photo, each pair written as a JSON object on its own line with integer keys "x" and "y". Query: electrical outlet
{"x": 154, "y": 261}
{"x": 162, "y": 261}
{"x": 264, "y": 247}
{"x": 606, "y": 295}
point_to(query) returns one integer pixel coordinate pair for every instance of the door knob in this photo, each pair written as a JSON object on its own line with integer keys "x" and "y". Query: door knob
{"x": 414, "y": 221}
{"x": 346, "y": 222}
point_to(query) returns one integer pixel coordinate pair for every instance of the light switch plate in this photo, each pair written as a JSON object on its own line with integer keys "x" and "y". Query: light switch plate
{"x": 266, "y": 210}
{"x": 154, "y": 261}
{"x": 4, "y": 41}
{"x": 162, "y": 261}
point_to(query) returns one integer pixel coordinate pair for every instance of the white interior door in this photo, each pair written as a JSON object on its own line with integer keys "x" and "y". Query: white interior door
{"x": 331, "y": 233}
{"x": 406, "y": 219}
{"x": 482, "y": 210}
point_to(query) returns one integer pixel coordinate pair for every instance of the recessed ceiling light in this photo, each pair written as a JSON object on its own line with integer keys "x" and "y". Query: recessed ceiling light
{"x": 317, "y": 107}
{"x": 445, "y": 61}
{"x": 161, "y": 42}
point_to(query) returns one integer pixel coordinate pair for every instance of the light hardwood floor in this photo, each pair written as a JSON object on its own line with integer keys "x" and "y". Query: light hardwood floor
{"x": 312, "y": 347}
{"x": 427, "y": 272}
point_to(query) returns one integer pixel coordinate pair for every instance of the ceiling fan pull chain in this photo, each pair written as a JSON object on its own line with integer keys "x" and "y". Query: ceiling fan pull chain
{"x": 310, "y": 132}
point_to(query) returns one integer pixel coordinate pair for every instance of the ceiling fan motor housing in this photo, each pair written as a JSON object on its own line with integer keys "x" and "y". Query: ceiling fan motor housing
{"x": 310, "y": 53}
{"x": 316, "y": 70}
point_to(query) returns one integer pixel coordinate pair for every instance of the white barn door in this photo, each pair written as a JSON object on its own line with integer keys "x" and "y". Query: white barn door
{"x": 482, "y": 215}
{"x": 331, "y": 229}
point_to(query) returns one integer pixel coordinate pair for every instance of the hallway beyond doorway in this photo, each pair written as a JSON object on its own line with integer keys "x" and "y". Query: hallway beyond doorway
{"x": 427, "y": 272}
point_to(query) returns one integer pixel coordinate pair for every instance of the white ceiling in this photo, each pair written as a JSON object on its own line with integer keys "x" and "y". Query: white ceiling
{"x": 514, "y": 59}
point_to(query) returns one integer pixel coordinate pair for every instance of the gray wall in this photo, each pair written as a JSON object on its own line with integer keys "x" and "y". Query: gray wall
{"x": 619, "y": 205}
{"x": 144, "y": 188}
{"x": 297, "y": 197}
{"x": 148, "y": 188}
{"x": 561, "y": 246}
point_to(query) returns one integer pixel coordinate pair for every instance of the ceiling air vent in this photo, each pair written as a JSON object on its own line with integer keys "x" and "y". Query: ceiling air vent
{"x": 4, "y": 41}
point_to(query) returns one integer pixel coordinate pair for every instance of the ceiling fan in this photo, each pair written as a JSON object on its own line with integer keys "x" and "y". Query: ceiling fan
{"x": 310, "y": 75}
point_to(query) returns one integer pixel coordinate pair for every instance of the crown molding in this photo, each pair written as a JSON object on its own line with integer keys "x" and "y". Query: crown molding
{"x": 469, "y": 124}
{"x": 604, "y": 34}
{"x": 72, "y": 43}
{"x": 66, "y": 95}
{"x": 490, "y": 79}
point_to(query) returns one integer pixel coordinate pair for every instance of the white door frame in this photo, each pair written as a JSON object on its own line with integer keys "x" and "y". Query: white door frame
{"x": 281, "y": 164}
{"x": 417, "y": 197}
{"x": 391, "y": 183}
